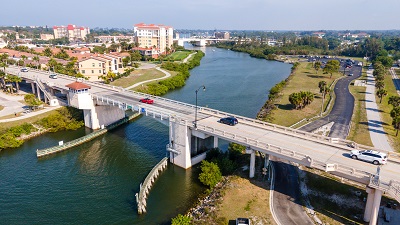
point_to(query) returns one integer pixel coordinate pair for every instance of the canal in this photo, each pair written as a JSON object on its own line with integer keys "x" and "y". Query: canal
{"x": 96, "y": 182}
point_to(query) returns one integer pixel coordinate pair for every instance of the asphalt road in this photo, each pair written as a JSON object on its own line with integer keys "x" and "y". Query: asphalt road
{"x": 287, "y": 196}
{"x": 342, "y": 110}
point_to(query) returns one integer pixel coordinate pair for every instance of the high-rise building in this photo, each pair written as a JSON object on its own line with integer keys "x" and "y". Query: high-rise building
{"x": 72, "y": 32}
{"x": 159, "y": 37}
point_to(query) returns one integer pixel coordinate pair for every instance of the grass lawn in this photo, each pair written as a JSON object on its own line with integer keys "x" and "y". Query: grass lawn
{"x": 245, "y": 198}
{"x": 178, "y": 56}
{"x": 137, "y": 76}
{"x": 304, "y": 79}
{"x": 385, "y": 114}
{"x": 359, "y": 123}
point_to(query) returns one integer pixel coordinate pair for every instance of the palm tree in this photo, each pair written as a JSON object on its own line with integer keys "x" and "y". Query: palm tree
{"x": 379, "y": 84}
{"x": 395, "y": 114}
{"x": 36, "y": 59}
{"x": 16, "y": 79}
{"x": 381, "y": 93}
{"x": 317, "y": 66}
{"x": 394, "y": 101}
{"x": 23, "y": 58}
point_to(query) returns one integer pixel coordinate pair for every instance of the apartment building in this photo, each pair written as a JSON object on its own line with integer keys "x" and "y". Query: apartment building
{"x": 46, "y": 37}
{"x": 119, "y": 38}
{"x": 72, "y": 32}
{"x": 99, "y": 65}
{"x": 222, "y": 35}
{"x": 153, "y": 36}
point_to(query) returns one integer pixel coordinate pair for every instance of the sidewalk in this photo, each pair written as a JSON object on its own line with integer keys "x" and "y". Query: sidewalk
{"x": 378, "y": 135}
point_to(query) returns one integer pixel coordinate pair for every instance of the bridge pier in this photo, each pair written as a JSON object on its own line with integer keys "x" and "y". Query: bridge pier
{"x": 372, "y": 206}
{"x": 252, "y": 161}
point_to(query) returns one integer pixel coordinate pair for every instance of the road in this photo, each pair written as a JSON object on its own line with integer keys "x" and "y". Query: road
{"x": 342, "y": 110}
{"x": 287, "y": 197}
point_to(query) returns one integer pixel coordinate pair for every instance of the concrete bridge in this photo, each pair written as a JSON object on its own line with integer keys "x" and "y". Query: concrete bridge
{"x": 104, "y": 104}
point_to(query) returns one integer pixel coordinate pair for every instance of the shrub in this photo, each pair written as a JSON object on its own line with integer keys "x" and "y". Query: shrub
{"x": 181, "y": 220}
{"x": 210, "y": 174}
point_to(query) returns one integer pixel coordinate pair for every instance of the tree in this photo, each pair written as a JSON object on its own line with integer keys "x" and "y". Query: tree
{"x": 181, "y": 220}
{"x": 47, "y": 52}
{"x": 317, "y": 65}
{"x": 395, "y": 114}
{"x": 331, "y": 67}
{"x": 32, "y": 101}
{"x": 394, "y": 101}
{"x": 381, "y": 93}
{"x": 380, "y": 84}
{"x": 23, "y": 59}
{"x": 210, "y": 174}
{"x": 295, "y": 100}
{"x": 16, "y": 79}
{"x": 36, "y": 59}
{"x": 323, "y": 88}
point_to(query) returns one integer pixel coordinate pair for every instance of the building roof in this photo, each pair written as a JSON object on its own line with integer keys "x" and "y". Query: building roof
{"x": 78, "y": 86}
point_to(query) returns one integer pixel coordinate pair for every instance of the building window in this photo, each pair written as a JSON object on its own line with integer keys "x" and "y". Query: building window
{"x": 92, "y": 71}
{"x": 99, "y": 64}
{"x": 93, "y": 65}
{"x": 83, "y": 71}
{"x": 99, "y": 71}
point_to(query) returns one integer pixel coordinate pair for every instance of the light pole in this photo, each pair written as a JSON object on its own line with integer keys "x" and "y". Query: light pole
{"x": 195, "y": 109}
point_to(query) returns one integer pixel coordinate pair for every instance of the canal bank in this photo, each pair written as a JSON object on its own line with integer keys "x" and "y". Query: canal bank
{"x": 97, "y": 181}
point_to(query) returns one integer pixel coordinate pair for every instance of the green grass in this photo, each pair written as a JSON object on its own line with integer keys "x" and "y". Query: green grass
{"x": 138, "y": 76}
{"x": 6, "y": 125}
{"x": 359, "y": 123}
{"x": 304, "y": 79}
{"x": 385, "y": 114}
{"x": 178, "y": 56}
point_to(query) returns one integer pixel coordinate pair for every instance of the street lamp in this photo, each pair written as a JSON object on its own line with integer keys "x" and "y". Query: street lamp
{"x": 195, "y": 109}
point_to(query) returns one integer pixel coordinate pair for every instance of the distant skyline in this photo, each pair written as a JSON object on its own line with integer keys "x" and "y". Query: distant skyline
{"x": 207, "y": 14}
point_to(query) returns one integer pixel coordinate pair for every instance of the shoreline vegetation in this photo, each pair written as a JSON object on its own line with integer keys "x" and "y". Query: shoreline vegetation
{"x": 65, "y": 118}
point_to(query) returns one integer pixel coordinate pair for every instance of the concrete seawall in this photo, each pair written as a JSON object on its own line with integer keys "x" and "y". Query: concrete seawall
{"x": 81, "y": 140}
{"x": 145, "y": 187}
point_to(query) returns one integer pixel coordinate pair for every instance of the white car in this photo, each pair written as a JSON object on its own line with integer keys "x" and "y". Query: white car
{"x": 370, "y": 156}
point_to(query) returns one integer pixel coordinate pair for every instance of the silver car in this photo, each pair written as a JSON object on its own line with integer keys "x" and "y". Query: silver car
{"x": 370, "y": 156}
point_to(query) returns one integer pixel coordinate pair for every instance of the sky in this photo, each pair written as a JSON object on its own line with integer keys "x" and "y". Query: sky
{"x": 207, "y": 14}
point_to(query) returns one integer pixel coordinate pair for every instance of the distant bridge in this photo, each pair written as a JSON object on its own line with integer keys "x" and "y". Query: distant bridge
{"x": 199, "y": 41}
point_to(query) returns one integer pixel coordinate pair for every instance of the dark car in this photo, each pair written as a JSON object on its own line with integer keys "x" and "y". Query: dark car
{"x": 24, "y": 70}
{"x": 147, "y": 100}
{"x": 229, "y": 120}
{"x": 53, "y": 76}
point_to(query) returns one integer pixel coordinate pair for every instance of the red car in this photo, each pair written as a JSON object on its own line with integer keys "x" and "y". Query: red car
{"x": 147, "y": 100}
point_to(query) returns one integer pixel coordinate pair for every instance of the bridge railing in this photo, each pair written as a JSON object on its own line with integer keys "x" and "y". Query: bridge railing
{"x": 337, "y": 142}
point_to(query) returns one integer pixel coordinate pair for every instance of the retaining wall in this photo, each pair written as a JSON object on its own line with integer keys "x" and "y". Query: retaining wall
{"x": 145, "y": 187}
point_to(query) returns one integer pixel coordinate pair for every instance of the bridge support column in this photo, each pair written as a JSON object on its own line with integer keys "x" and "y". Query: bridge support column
{"x": 181, "y": 138}
{"x": 38, "y": 92}
{"x": 375, "y": 207}
{"x": 368, "y": 206}
{"x": 33, "y": 88}
{"x": 215, "y": 142}
{"x": 252, "y": 163}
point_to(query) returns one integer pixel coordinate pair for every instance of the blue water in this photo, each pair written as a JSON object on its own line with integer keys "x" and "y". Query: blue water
{"x": 95, "y": 183}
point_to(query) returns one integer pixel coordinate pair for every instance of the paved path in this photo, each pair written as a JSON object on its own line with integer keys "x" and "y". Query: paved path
{"x": 11, "y": 104}
{"x": 378, "y": 135}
